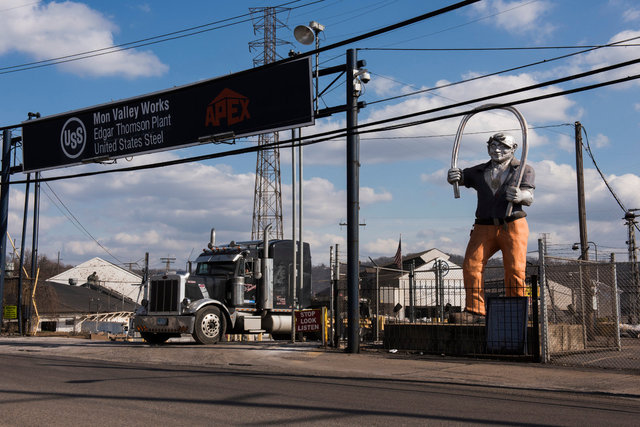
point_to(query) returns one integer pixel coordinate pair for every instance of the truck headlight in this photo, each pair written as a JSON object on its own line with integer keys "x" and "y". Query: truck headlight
{"x": 186, "y": 302}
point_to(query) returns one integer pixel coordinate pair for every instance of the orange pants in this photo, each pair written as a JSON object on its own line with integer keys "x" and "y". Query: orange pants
{"x": 485, "y": 241}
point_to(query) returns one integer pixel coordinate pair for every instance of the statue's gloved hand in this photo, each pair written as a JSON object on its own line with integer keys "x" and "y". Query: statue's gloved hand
{"x": 454, "y": 175}
{"x": 520, "y": 196}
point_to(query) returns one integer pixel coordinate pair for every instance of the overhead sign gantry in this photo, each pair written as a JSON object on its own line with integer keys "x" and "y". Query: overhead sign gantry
{"x": 255, "y": 101}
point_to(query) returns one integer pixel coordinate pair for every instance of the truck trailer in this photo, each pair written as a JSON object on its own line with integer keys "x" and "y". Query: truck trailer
{"x": 238, "y": 288}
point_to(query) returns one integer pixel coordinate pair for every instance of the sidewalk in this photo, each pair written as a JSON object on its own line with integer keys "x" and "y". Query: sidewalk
{"x": 306, "y": 358}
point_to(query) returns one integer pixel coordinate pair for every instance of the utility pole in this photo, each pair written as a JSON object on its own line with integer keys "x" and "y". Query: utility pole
{"x": 167, "y": 261}
{"x": 353, "y": 206}
{"x": 630, "y": 221}
{"x": 130, "y": 265}
{"x": 582, "y": 215}
{"x": 267, "y": 198}
{"x": 587, "y": 287}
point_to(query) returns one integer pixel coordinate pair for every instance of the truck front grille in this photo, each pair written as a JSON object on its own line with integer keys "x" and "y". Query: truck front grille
{"x": 163, "y": 295}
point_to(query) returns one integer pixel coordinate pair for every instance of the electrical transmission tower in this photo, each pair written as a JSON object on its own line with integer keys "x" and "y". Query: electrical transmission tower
{"x": 267, "y": 198}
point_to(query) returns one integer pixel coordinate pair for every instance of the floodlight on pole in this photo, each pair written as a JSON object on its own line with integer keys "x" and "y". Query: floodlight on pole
{"x": 576, "y": 246}
{"x": 306, "y": 34}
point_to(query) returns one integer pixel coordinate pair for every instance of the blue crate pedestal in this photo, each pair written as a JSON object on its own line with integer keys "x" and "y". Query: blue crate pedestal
{"x": 506, "y": 327}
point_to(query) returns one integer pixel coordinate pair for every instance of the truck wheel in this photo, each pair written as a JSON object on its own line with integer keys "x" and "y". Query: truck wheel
{"x": 154, "y": 337}
{"x": 209, "y": 326}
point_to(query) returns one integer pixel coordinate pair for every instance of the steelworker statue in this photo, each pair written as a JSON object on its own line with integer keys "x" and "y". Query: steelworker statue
{"x": 493, "y": 231}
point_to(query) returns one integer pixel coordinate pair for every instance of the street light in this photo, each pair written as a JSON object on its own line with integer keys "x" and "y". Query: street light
{"x": 306, "y": 34}
{"x": 576, "y": 246}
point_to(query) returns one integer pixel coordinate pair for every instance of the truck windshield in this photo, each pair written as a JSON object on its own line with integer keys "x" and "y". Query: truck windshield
{"x": 215, "y": 268}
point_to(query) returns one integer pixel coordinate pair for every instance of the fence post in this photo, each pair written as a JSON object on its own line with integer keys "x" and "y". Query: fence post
{"x": 377, "y": 303}
{"x": 543, "y": 301}
{"x": 331, "y": 307}
{"x": 336, "y": 305}
{"x": 411, "y": 287}
{"x": 439, "y": 289}
{"x": 582, "y": 305}
{"x": 616, "y": 302}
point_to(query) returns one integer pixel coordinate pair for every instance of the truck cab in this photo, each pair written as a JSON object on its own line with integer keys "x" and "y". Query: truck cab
{"x": 242, "y": 287}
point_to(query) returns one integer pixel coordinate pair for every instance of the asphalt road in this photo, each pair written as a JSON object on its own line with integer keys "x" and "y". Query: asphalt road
{"x": 41, "y": 389}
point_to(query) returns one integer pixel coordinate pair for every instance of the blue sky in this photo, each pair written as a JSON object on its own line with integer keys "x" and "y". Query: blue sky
{"x": 169, "y": 211}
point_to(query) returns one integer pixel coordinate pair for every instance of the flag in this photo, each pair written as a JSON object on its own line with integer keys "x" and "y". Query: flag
{"x": 398, "y": 257}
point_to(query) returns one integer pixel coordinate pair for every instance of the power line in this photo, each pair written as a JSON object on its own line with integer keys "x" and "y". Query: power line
{"x": 76, "y": 222}
{"x": 471, "y": 49}
{"x": 334, "y": 133}
{"x": 364, "y": 36}
{"x": 340, "y": 133}
{"x": 517, "y": 6}
{"x": 544, "y": 61}
{"x": 380, "y": 31}
{"x": 174, "y": 35}
{"x": 19, "y": 7}
{"x": 448, "y": 135}
{"x": 604, "y": 179}
{"x": 514, "y": 91}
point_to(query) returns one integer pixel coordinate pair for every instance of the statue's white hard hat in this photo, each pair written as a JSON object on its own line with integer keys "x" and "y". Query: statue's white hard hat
{"x": 503, "y": 138}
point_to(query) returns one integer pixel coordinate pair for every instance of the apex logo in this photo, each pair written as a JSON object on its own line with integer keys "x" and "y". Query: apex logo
{"x": 229, "y": 106}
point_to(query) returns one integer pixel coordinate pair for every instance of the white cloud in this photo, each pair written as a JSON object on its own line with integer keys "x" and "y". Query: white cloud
{"x": 80, "y": 247}
{"x": 51, "y": 30}
{"x": 382, "y": 246}
{"x": 169, "y": 211}
{"x": 325, "y": 205}
{"x": 610, "y": 56}
{"x": 383, "y": 86}
{"x": 435, "y": 139}
{"x": 554, "y": 209}
{"x": 630, "y": 15}
{"x": 151, "y": 237}
{"x": 602, "y": 141}
{"x": 517, "y": 17}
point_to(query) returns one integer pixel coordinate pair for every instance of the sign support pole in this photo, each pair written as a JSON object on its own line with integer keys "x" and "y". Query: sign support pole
{"x": 4, "y": 210}
{"x": 353, "y": 206}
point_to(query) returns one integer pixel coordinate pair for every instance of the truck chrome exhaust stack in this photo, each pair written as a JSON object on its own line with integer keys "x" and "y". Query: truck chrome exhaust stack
{"x": 212, "y": 239}
{"x": 265, "y": 292}
{"x": 265, "y": 240}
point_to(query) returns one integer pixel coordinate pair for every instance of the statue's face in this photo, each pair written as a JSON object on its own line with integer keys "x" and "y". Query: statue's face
{"x": 500, "y": 152}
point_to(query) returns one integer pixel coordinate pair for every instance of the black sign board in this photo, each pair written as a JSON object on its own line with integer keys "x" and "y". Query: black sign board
{"x": 506, "y": 327}
{"x": 251, "y": 102}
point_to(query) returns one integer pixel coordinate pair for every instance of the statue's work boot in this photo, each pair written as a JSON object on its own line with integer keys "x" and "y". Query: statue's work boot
{"x": 467, "y": 317}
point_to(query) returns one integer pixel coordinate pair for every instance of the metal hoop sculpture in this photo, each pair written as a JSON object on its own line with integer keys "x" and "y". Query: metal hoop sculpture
{"x": 525, "y": 148}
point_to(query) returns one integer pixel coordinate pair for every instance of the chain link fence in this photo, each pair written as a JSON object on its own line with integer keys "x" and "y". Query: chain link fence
{"x": 20, "y": 313}
{"x": 591, "y": 313}
{"x": 568, "y": 311}
{"x": 413, "y": 309}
